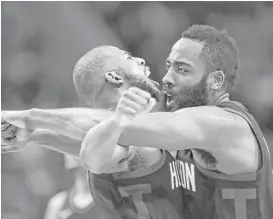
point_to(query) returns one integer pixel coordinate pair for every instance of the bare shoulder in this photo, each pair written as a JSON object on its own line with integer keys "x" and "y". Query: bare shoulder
{"x": 213, "y": 118}
{"x": 237, "y": 145}
{"x": 213, "y": 112}
{"x": 231, "y": 139}
{"x": 216, "y": 123}
{"x": 231, "y": 127}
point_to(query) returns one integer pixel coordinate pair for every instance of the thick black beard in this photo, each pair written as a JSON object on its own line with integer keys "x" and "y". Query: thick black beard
{"x": 190, "y": 97}
{"x": 144, "y": 84}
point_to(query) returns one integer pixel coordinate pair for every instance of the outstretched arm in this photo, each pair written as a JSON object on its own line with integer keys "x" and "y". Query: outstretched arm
{"x": 47, "y": 139}
{"x": 72, "y": 122}
{"x": 197, "y": 127}
{"x": 53, "y": 141}
{"x": 204, "y": 127}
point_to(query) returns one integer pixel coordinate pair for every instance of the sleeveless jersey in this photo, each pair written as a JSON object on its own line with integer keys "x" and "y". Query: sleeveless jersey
{"x": 61, "y": 207}
{"x": 212, "y": 195}
{"x": 147, "y": 193}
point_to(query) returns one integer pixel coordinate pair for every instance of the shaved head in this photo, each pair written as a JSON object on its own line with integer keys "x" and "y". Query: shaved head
{"x": 102, "y": 74}
{"x": 88, "y": 73}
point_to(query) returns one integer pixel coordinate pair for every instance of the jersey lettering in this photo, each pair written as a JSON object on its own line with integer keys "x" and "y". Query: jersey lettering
{"x": 190, "y": 176}
{"x": 136, "y": 191}
{"x": 240, "y": 196}
{"x": 181, "y": 169}
{"x": 175, "y": 179}
{"x": 182, "y": 174}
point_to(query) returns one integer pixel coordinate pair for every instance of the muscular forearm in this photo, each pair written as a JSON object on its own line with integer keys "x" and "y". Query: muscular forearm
{"x": 148, "y": 130}
{"x": 51, "y": 140}
{"x": 198, "y": 127}
{"x": 72, "y": 122}
{"x": 99, "y": 149}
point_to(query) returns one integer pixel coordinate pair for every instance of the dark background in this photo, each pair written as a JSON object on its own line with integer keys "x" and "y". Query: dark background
{"x": 41, "y": 42}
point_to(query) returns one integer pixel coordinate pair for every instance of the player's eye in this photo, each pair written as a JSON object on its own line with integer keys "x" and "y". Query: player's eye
{"x": 182, "y": 69}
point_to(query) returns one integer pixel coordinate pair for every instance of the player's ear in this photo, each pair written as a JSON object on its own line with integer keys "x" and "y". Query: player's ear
{"x": 216, "y": 79}
{"x": 114, "y": 79}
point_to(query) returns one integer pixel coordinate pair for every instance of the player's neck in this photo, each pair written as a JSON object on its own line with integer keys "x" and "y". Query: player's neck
{"x": 216, "y": 99}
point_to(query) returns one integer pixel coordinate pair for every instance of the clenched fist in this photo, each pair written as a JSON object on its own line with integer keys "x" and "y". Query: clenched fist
{"x": 16, "y": 118}
{"x": 132, "y": 103}
{"x": 13, "y": 130}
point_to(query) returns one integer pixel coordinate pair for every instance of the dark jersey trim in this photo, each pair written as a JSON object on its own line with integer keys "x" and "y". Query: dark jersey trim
{"x": 227, "y": 177}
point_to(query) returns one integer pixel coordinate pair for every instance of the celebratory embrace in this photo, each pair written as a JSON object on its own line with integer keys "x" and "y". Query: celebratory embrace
{"x": 222, "y": 168}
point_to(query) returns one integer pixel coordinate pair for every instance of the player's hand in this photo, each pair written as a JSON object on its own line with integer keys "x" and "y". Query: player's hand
{"x": 132, "y": 103}
{"x": 13, "y": 138}
{"x": 16, "y": 118}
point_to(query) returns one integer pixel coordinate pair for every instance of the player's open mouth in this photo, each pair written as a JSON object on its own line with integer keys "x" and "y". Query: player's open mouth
{"x": 169, "y": 99}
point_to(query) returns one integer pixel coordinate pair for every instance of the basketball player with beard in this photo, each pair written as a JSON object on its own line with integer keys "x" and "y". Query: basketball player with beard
{"x": 126, "y": 182}
{"x": 223, "y": 162}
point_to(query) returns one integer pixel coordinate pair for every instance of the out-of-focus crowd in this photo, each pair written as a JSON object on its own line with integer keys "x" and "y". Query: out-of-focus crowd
{"x": 41, "y": 41}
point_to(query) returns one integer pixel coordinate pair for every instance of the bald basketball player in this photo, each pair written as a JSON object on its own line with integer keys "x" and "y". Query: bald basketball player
{"x": 130, "y": 182}
{"x": 223, "y": 160}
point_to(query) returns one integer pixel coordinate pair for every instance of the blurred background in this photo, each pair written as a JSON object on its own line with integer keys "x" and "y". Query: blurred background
{"x": 41, "y": 42}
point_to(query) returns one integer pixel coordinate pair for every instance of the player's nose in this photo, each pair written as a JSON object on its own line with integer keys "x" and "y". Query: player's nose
{"x": 167, "y": 80}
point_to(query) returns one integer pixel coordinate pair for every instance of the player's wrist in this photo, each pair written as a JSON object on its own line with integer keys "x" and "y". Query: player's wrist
{"x": 120, "y": 120}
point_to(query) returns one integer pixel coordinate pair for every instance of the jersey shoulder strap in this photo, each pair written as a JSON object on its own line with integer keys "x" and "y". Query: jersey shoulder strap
{"x": 239, "y": 109}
